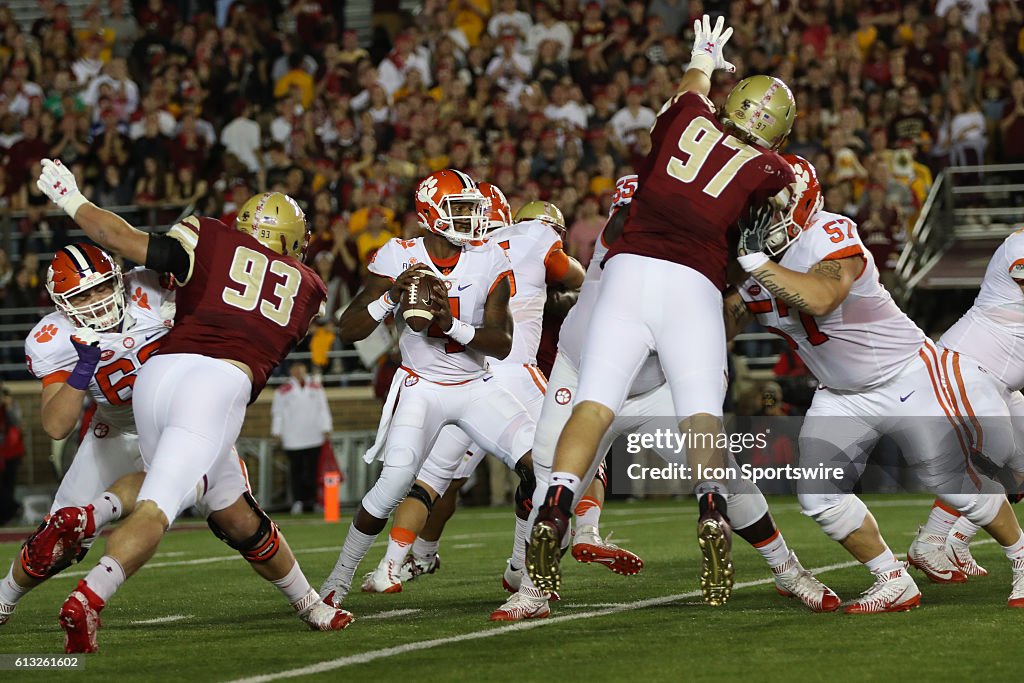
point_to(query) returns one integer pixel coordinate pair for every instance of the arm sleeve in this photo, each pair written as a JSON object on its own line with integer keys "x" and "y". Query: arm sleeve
{"x": 167, "y": 255}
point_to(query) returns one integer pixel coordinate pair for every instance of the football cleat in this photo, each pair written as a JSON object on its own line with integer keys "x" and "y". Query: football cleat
{"x": 512, "y": 580}
{"x": 894, "y": 591}
{"x": 413, "y": 567}
{"x": 334, "y": 592}
{"x": 80, "y": 619}
{"x": 958, "y": 551}
{"x": 1017, "y": 594}
{"x": 6, "y": 610}
{"x": 588, "y": 546}
{"x": 544, "y": 551}
{"x": 528, "y": 603}
{"x": 383, "y": 579}
{"x": 793, "y": 581}
{"x": 714, "y": 536}
{"x": 319, "y": 615}
{"x": 928, "y": 555}
{"x": 57, "y": 543}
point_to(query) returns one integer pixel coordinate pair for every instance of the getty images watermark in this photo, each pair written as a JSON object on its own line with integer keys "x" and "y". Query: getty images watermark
{"x": 668, "y": 441}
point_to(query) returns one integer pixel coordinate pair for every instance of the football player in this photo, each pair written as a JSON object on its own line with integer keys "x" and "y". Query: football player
{"x": 663, "y": 279}
{"x": 234, "y": 286}
{"x": 126, "y": 318}
{"x": 444, "y": 378}
{"x": 988, "y": 340}
{"x": 648, "y": 401}
{"x": 534, "y": 248}
{"x": 812, "y": 282}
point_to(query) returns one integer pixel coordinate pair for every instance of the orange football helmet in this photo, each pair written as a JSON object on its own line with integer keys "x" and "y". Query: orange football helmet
{"x": 805, "y": 201}
{"x": 75, "y": 270}
{"x": 499, "y": 213}
{"x": 449, "y": 203}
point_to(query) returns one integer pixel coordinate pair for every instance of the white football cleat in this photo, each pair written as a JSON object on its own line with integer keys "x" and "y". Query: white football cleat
{"x": 512, "y": 579}
{"x": 793, "y": 581}
{"x": 958, "y": 551}
{"x": 894, "y": 591}
{"x": 383, "y": 579}
{"x": 413, "y": 567}
{"x": 928, "y": 554}
{"x": 1017, "y": 594}
{"x": 588, "y": 546}
{"x": 320, "y": 616}
{"x": 528, "y": 603}
{"x": 334, "y": 591}
{"x": 6, "y": 610}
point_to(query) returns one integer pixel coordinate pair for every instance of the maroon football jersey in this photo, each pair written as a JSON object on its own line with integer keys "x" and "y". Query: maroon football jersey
{"x": 241, "y": 300}
{"x": 694, "y": 185}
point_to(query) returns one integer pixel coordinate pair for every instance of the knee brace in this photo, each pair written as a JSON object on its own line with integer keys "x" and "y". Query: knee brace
{"x": 262, "y": 545}
{"x": 419, "y": 493}
{"x": 841, "y": 519}
{"x": 982, "y": 507}
{"x": 389, "y": 491}
{"x": 746, "y": 503}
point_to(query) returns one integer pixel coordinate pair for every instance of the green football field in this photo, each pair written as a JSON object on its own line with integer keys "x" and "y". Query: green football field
{"x": 198, "y": 613}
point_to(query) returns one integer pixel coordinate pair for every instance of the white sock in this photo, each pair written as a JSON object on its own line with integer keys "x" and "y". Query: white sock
{"x": 964, "y": 531}
{"x": 588, "y": 513}
{"x": 424, "y": 551}
{"x": 106, "y": 509}
{"x": 940, "y": 521}
{"x": 357, "y": 544}
{"x": 566, "y": 479}
{"x": 519, "y": 544}
{"x": 1016, "y": 550}
{"x": 10, "y": 591}
{"x": 886, "y": 562}
{"x": 399, "y": 542}
{"x": 293, "y": 585}
{"x": 774, "y": 551}
{"x": 105, "y": 578}
{"x": 711, "y": 487}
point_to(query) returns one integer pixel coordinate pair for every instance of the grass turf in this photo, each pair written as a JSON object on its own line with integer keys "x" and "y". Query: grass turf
{"x": 236, "y": 626}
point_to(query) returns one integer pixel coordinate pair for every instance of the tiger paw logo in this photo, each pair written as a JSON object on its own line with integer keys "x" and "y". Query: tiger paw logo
{"x": 563, "y": 396}
{"x": 100, "y": 430}
{"x": 45, "y": 333}
{"x": 140, "y": 298}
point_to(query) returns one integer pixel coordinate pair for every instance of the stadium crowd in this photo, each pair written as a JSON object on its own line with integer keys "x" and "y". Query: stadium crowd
{"x": 201, "y": 103}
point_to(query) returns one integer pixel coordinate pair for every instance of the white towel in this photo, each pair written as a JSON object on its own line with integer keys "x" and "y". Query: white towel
{"x": 377, "y": 449}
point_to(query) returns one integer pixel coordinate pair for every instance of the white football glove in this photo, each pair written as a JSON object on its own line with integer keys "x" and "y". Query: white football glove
{"x": 58, "y": 183}
{"x": 707, "y": 46}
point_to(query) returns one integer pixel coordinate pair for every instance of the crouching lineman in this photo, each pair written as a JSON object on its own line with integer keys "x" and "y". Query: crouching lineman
{"x": 649, "y": 401}
{"x": 105, "y": 327}
{"x": 984, "y": 353}
{"x": 444, "y": 378}
{"x": 879, "y": 375}
{"x": 534, "y": 248}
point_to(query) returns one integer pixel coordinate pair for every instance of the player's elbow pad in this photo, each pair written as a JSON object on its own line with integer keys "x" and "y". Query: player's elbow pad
{"x": 166, "y": 255}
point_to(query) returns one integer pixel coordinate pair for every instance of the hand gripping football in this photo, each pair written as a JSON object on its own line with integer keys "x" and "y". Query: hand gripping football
{"x": 416, "y": 302}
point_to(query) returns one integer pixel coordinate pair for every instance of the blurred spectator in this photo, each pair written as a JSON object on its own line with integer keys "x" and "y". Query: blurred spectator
{"x": 911, "y": 124}
{"x": 374, "y": 236}
{"x": 584, "y": 230}
{"x": 12, "y": 450}
{"x": 547, "y": 27}
{"x": 1012, "y": 124}
{"x": 881, "y": 230}
{"x": 241, "y": 137}
{"x": 301, "y": 419}
{"x": 631, "y": 118}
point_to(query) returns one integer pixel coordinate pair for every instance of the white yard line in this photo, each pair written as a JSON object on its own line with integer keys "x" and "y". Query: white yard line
{"x": 392, "y": 613}
{"x": 385, "y": 653}
{"x": 160, "y": 620}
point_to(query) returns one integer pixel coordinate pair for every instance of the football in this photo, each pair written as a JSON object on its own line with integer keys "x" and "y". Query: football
{"x": 416, "y": 301}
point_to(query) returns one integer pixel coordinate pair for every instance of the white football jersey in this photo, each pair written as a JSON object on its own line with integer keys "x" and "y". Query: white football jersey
{"x": 992, "y": 332}
{"x": 862, "y": 344}
{"x": 430, "y": 354}
{"x": 527, "y": 246}
{"x": 149, "y": 316}
{"x": 573, "y": 333}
